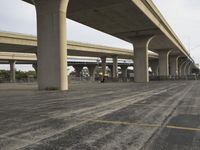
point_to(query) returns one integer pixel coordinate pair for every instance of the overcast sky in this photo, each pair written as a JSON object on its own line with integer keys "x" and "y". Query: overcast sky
{"x": 182, "y": 15}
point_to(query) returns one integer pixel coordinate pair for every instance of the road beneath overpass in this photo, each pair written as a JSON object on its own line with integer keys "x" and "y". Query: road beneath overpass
{"x": 92, "y": 116}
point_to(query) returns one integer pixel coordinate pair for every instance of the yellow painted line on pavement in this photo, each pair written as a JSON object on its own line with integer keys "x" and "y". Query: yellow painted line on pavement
{"x": 183, "y": 128}
{"x": 126, "y": 123}
{"x": 145, "y": 125}
{"x": 159, "y": 105}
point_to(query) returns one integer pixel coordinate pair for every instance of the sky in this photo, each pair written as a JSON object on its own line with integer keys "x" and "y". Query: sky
{"x": 182, "y": 16}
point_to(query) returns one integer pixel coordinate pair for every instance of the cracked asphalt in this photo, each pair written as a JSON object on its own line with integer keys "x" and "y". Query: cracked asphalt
{"x": 162, "y": 115}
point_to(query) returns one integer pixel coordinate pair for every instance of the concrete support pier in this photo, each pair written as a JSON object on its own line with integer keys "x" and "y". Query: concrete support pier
{"x": 103, "y": 65}
{"x": 111, "y": 71}
{"x": 34, "y": 65}
{"x": 141, "y": 61}
{"x": 78, "y": 69}
{"x": 164, "y": 63}
{"x": 186, "y": 67}
{"x": 92, "y": 71}
{"x": 12, "y": 70}
{"x": 173, "y": 65}
{"x": 115, "y": 67}
{"x": 183, "y": 62}
{"x": 51, "y": 54}
{"x": 124, "y": 71}
{"x": 154, "y": 66}
{"x": 189, "y": 72}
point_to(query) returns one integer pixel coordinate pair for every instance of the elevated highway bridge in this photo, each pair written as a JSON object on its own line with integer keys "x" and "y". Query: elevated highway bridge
{"x": 20, "y": 48}
{"x": 136, "y": 21}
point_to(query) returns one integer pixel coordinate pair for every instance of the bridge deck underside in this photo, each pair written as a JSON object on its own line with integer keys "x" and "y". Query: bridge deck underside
{"x": 120, "y": 18}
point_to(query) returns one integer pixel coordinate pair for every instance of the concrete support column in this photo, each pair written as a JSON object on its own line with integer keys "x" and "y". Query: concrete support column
{"x": 141, "y": 61}
{"x": 34, "y": 65}
{"x": 111, "y": 71}
{"x": 103, "y": 65}
{"x": 186, "y": 68}
{"x": 12, "y": 70}
{"x": 92, "y": 69}
{"x": 163, "y": 64}
{"x": 124, "y": 71}
{"x": 52, "y": 54}
{"x": 154, "y": 66}
{"x": 189, "y": 72}
{"x": 78, "y": 69}
{"x": 115, "y": 67}
{"x": 173, "y": 65}
{"x": 183, "y": 61}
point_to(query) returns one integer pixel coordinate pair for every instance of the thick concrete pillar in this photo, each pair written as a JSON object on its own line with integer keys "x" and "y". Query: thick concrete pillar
{"x": 34, "y": 65}
{"x": 124, "y": 71}
{"x": 51, "y": 34}
{"x": 12, "y": 70}
{"x": 173, "y": 65}
{"x": 183, "y": 61}
{"x": 111, "y": 71}
{"x": 186, "y": 68}
{"x": 141, "y": 61}
{"x": 163, "y": 64}
{"x": 115, "y": 67}
{"x": 92, "y": 69}
{"x": 154, "y": 66}
{"x": 103, "y": 65}
{"x": 189, "y": 72}
{"x": 187, "y": 64}
{"x": 78, "y": 69}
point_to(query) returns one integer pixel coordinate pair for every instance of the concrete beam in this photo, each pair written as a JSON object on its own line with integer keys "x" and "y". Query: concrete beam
{"x": 52, "y": 56}
{"x": 141, "y": 61}
{"x": 13, "y": 42}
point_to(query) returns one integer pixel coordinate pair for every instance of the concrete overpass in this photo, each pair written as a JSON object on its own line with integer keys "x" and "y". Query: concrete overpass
{"x": 23, "y": 49}
{"x": 15, "y": 42}
{"x": 77, "y": 62}
{"x": 135, "y": 21}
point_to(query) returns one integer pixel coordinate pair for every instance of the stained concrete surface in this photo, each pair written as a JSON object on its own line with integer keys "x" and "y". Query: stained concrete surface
{"x": 95, "y": 116}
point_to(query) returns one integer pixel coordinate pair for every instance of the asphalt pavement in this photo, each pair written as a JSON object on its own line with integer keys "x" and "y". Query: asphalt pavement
{"x": 162, "y": 115}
